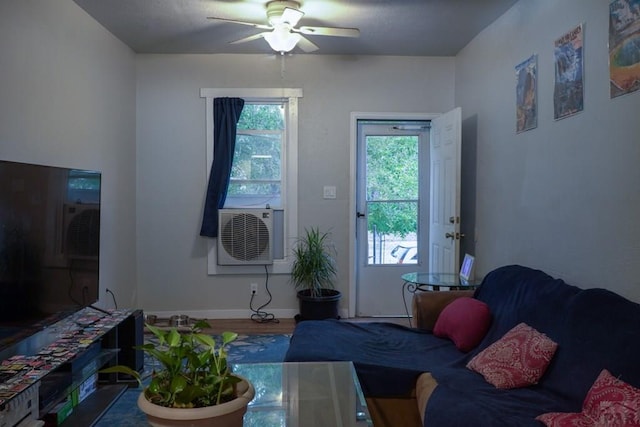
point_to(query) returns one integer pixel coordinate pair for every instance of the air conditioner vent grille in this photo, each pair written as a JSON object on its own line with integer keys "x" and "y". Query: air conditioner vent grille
{"x": 244, "y": 237}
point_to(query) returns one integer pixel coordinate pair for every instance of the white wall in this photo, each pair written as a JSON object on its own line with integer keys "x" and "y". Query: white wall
{"x": 171, "y": 167}
{"x": 68, "y": 99}
{"x": 562, "y": 197}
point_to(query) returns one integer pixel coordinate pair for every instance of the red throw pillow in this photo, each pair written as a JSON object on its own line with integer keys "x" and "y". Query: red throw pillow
{"x": 518, "y": 359}
{"x": 610, "y": 402}
{"x": 465, "y": 321}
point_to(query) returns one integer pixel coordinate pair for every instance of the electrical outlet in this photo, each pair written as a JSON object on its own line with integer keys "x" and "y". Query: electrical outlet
{"x": 254, "y": 288}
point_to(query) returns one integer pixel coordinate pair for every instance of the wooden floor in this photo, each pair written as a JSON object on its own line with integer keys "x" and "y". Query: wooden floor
{"x": 249, "y": 327}
{"x": 282, "y": 326}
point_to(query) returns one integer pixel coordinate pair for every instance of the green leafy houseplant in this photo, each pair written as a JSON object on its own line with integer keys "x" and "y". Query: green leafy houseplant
{"x": 314, "y": 265}
{"x": 194, "y": 370}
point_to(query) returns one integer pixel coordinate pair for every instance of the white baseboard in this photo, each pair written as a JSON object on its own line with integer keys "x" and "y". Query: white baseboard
{"x": 221, "y": 314}
{"x": 286, "y": 313}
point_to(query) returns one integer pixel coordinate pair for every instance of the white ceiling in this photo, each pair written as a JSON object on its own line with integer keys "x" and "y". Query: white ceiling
{"x": 387, "y": 27}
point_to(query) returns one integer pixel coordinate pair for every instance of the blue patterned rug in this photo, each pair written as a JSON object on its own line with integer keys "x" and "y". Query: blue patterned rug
{"x": 246, "y": 349}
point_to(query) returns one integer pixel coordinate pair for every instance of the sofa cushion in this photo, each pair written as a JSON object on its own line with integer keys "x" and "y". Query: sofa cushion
{"x": 463, "y": 398}
{"x": 516, "y": 294}
{"x": 603, "y": 325}
{"x": 609, "y": 402}
{"x": 388, "y": 358}
{"x": 518, "y": 359}
{"x": 464, "y": 321}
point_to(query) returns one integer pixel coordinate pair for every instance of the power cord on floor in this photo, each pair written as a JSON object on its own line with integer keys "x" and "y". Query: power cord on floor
{"x": 260, "y": 316}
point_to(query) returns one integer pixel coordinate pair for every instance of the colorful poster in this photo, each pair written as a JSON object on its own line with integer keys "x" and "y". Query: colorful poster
{"x": 624, "y": 46}
{"x": 568, "y": 91}
{"x": 526, "y": 94}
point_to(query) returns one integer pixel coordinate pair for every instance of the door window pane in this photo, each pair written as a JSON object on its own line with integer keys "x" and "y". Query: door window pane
{"x": 392, "y": 183}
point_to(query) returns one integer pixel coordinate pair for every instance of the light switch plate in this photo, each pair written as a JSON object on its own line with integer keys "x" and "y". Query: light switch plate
{"x": 329, "y": 192}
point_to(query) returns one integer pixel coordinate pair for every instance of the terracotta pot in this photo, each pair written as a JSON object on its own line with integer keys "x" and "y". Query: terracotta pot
{"x": 229, "y": 414}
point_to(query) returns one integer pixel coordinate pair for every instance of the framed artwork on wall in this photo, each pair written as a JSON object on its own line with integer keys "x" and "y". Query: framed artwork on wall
{"x": 526, "y": 94}
{"x": 568, "y": 90}
{"x": 624, "y": 47}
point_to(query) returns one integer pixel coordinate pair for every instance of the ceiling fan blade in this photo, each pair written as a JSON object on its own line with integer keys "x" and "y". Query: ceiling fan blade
{"x": 307, "y": 45}
{"x": 291, "y": 16}
{"x": 329, "y": 31}
{"x": 250, "y": 38}
{"x": 233, "y": 21}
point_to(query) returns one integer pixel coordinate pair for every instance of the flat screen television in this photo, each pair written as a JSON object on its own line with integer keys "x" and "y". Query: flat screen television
{"x": 49, "y": 246}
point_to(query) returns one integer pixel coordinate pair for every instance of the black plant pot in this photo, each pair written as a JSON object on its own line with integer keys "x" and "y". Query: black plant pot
{"x": 318, "y": 308}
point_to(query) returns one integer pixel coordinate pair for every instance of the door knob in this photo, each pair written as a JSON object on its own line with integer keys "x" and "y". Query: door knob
{"x": 360, "y": 215}
{"x": 454, "y": 236}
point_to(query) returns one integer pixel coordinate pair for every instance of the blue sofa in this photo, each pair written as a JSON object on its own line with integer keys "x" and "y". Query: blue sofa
{"x": 399, "y": 366}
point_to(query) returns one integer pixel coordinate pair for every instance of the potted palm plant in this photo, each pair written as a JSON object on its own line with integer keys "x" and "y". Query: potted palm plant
{"x": 313, "y": 274}
{"x": 195, "y": 385}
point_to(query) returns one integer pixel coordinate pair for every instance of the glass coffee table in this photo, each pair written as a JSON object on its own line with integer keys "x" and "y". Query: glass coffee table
{"x": 309, "y": 394}
{"x": 416, "y": 281}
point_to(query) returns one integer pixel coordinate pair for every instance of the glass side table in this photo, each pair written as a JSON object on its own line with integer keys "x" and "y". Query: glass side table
{"x": 417, "y": 281}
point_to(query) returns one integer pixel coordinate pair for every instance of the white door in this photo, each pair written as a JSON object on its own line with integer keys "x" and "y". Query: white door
{"x": 392, "y": 209}
{"x": 444, "y": 230}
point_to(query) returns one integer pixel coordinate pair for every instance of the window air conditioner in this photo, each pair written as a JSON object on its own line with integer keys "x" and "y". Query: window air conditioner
{"x": 245, "y": 236}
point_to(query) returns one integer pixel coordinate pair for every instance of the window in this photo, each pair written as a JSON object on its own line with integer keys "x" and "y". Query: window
{"x": 265, "y": 166}
{"x": 257, "y": 171}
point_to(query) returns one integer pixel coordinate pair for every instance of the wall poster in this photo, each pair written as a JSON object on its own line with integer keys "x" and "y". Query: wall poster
{"x": 624, "y": 47}
{"x": 568, "y": 91}
{"x": 526, "y": 94}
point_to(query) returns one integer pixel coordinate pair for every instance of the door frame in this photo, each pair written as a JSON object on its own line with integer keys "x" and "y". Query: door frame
{"x": 353, "y": 160}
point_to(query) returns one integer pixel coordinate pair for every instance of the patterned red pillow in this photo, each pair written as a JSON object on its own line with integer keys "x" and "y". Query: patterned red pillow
{"x": 565, "y": 419}
{"x": 518, "y": 359}
{"x": 465, "y": 321}
{"x": 610, "y": 402}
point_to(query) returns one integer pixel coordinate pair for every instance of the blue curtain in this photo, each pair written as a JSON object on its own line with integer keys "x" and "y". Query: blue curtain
{"x": 226, "y": 113}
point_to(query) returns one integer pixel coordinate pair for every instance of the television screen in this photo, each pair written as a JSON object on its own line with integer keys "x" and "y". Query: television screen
{"x": 49, "y": 245}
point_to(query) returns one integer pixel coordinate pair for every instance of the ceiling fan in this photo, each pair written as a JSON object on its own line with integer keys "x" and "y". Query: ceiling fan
{"x": 282, "y": 34}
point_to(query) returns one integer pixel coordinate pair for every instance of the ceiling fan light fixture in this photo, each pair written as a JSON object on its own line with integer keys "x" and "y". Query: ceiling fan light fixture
{"x": 281, "y": 39}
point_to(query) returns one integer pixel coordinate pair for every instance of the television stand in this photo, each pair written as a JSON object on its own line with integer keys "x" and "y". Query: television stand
{"x": 77, "y": 355}
{"x": 95, "y": 406}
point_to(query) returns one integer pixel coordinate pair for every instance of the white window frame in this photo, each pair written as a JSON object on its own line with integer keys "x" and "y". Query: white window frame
{"x": 290, "y": 162}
